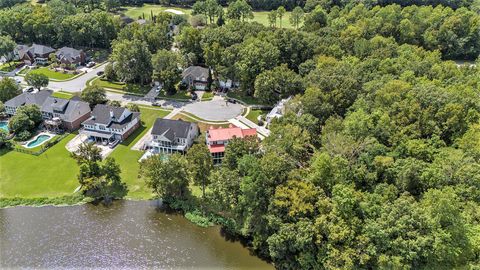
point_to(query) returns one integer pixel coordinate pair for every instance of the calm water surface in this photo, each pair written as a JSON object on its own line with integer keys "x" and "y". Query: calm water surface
{"x": 126, "y": 234}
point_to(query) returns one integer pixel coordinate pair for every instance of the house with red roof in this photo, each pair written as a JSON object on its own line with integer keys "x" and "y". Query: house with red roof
{"x": 217, "y": 139}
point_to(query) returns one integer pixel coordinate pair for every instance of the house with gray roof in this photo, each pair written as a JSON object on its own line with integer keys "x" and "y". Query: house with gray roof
{"x": 69, "y": 112}
{"x": 196, "y": 77}
{"x": 57, "y": 113}
{"x": 36, "y": 53}
{"x": 71, "y": 56}
{"x": 109, "y": 123}
{"x": 171, "y": 136}
{"x": 26, "y": 98}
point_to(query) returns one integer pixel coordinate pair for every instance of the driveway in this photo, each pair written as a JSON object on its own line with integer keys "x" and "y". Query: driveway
{"x": 73, "y": 86}
{"x": 215, "y": 110}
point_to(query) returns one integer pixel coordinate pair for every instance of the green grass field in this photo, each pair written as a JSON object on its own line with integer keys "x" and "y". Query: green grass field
{"x": 253, "y": 115}
{"x": 50, "y": 174}
{"x": 128, "y": 159}
{"x": 50, "y": 73}
{"x": 122, "y": 87}
{"x": 60, "y": 94}
{"x": 53, "y": 173}
{"x": 145, "y": 10}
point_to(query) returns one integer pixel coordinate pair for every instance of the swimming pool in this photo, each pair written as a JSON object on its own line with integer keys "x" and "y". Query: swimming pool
{"x": 4, "y": 126}
{"x": 39, "y": 140}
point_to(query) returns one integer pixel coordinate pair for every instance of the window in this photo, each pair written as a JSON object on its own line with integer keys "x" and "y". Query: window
{"x": 101, "y": 127}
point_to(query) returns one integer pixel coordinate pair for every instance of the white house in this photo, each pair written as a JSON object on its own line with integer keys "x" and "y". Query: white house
{"x": 108, "y": 123}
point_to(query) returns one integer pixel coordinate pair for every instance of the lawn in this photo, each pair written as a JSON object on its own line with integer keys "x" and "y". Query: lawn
{"x": 128, "y": 159}
{"x": 53, "y": 173}
{"x": 61, "y": 94}
{"x": 253, "y": 115}
{"x": 51, "y": 73}
{"x": 122, "y": 87}
{"x": 237, "y": 94}
{"x": 50, "y": 174}
{"x": 179, "y": 95}
{"x": 145, "y": 10}
{"x": 207, "y": 96}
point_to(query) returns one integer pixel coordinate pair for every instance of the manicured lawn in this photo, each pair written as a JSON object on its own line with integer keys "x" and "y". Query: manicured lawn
{"x": 137, "y": 12}
{"x": 52, "y": 74}
{"x": 50, "y": 174}
{"x": 179, "y": 95}
{"x": 60, "y": 94}
{"x": 237, "y": 94}
{"x": 123, "y": 87}
{"x": 128, "y": 159}
{"x": 145, "y": 10}
{"x": 253, "y": 115}
{"x": 53, "y": 173}
{"x": 207, "y": 96}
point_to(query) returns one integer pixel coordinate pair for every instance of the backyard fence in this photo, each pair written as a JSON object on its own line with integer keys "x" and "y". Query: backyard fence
{"x": 44, "y": 148}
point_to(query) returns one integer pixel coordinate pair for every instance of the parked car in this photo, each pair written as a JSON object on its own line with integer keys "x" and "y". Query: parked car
{"x": 91, "y": 64}
{"x": 157, "y": 104}
{"x": 100, "y": 73}
{"x": 29, "y": 89}
{"x": 194, "y": 96}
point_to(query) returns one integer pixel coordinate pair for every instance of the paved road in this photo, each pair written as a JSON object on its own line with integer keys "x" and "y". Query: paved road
{"x": 75, "y": 85}
{"x": 214, "y": 110}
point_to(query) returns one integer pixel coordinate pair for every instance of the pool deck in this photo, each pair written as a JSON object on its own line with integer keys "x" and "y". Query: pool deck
{"x": 36, "y": 137}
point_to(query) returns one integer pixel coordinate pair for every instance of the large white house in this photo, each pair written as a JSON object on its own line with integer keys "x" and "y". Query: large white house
{"x": 170, "y": 136}
{"x": 108, "y": 123}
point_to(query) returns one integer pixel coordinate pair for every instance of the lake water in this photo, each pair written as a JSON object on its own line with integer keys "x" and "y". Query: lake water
{"x": 126, "y": 234}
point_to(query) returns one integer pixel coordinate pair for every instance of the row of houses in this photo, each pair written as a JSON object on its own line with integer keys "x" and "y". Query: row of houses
{"x": 104, "y": 123}
{"x": 40, "y": 54}
{"x": 109, "y": 125}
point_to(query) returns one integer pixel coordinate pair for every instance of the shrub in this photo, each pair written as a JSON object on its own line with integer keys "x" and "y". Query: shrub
{"x": 23, "y": 136}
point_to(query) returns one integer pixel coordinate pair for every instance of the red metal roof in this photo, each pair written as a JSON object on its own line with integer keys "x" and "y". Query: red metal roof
{"x": 218, "y": 148}
{"x": 225, "y": 134}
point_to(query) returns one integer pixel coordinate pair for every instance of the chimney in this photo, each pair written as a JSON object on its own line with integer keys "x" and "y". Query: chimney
{"x": 112, "y": 116}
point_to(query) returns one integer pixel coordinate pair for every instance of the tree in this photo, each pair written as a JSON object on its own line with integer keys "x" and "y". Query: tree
{"x": 189, "y": 42}
{"x": 209, "y": 8}
{"x": 272, "y": 18}
{"x": 36, "y": 80}
{"x": 109, "y": 72}
{"x": 8, "y": 89}
{"x": 200, "y": 164}
{"x": 99, "y": 181}
{"x": 166, "y": 70}
{"x": 237, "y": 148}
{"x": 7, "y": 45}
{"x": 94, "y": 95}
{"x": 278, "y": 83}
{"x": 168, "y": 178}
{"x": 296, "y": 17}
{"x": 239, "y": 10}
{"x": 280, "y": 13}
{"x": 316, "y": 19}
{"x": 132, "y": 61}
{"x": 25, "y": 120}
{"x": 224, "y": 188}
{"x": 254, "y": 57}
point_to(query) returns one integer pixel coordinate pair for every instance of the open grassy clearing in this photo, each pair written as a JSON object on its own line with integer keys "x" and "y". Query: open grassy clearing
{"x": 52, "y": 74}
{"x": 50, "y": 174}
{"x": 53, "y": 173}
{"x": 122, "y": 87}
{"x": 128, "y": 159}
{"x": 253, "y": 115}
{"x": 61, "y": 94}
{"x": 147, "y": 9}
